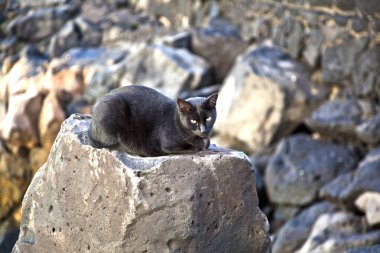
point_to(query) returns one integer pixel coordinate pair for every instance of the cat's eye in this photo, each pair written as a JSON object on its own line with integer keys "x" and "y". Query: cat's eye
{"x": 208, "y": 118}
{"x": 193, "y": 121}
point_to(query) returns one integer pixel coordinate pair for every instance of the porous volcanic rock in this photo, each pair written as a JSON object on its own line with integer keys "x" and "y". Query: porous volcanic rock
{"x": 107, "y": 201}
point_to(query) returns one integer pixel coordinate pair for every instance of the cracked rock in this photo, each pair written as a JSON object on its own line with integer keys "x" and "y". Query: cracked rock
{"x": 107, "y": 201}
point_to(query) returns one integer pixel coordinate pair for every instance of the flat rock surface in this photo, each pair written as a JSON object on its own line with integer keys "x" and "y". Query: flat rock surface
{"x": 97, "y": 200}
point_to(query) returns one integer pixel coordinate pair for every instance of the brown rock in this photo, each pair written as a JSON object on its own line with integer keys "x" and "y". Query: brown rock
{"x": 51, "y": 117}
{"x": 19, "y": 126}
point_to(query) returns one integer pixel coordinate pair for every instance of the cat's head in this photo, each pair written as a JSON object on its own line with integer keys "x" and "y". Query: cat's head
{"x": 198, "y": 115}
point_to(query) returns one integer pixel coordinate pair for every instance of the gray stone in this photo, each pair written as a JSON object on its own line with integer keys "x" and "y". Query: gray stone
{"x": 301, "y": 165}
{"x": 338, "y": 61}
{"x": 262, "y": 29}
{"x": 339, "y": 118}
{"x": 282, "y": 93}
{"x": 289, "y": 35}
{"x": 321, "y": 3}
{"x": 368, "y": 6}
{"x": 40, "y": 3}
{"x": 76, "y": 33}
{"x": 101, "y": 69}
{"x": 359, "y": 24}
{"x": 369, "y": 203}
{"x": 345, "y": 5}
{"x": 373, "y": 249}
{"x": 369, "y": 130}
{"x": 295, "y": 232}
{"x": 365, "y": 178}
{"x": 107, "y": 201}
{"x": 179, "y": 40}
{"x": 219, "y": 43}
{"x": 337, "y": 232}
{"x": 312, "y": 50}
{"x": 42, "y": 23}
{"x": 334, "y": 189}
{"x": 366, "y": 74}
{"x": 167, "y": 69}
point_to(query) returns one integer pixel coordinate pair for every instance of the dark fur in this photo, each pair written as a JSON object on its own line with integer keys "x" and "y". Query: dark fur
{"x": 139, "y": 120}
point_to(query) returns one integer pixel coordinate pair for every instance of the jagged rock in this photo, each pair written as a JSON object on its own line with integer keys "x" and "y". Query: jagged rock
{"x": 294, "y": 233}
{"x": 19, "y": 127}
{"x": 170, "y": 70}
{"x": 301, "y": 166}
{"x": 373, "y": 249}
{"x": 265, "y": 96}
{"x": 40, "y": 3}
{"x": 338, "y": 61}
{"x": 42, "y": 23}
{"x": 339, "y": 118}
{"x": 179, "y": 40}
{"x": 51, "y": 117}
{"x": 107, "y": 201}
{"x": 338, "y": 232}
{"x": 369, "y": 130}
{"x": 366, "y": 72}
{"x": 289, "y": 35}
{"x": 333, "y": 189}
{"x": 76, "y": 33}
{"x": 82, "y": 70}
{"x": 312, "y": 51}
{"x": 123, "y": 25}
{"x": 369, "y": 203}
{"x": 219, "y": 43}
{"x": 347, "y": 188}
{"x": 25, "y": 73}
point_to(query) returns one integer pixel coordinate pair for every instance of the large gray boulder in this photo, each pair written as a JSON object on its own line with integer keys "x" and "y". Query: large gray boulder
{"x": 107, "y": 201}
{"x": 265, "y": 96}
{"x": 301, "y": 166}
{"x": 346, "y": 188}
{"x": 338, "y": 232}
{"x": 294, "y": 233}
{"x": 170, "y": 70}
{"x": 343, "y": 119}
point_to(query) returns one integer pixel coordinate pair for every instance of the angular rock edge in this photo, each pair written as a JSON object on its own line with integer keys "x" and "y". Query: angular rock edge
{"x": 86, "y": 199}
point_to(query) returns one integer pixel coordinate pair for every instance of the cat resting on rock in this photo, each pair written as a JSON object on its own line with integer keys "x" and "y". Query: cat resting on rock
{"x": 141, "y": 121}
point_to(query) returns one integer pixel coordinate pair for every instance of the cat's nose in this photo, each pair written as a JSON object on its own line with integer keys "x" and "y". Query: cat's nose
{"x": 203, "y": 129}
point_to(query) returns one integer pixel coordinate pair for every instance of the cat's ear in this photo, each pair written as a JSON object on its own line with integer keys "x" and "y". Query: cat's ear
{"x": 210, "y": 101}
{"x": 183, "y": 105}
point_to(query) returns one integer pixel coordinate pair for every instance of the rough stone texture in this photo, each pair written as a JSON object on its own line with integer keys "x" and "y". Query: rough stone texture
{"x": 265, "y": 96}
{"x": 312, "y": 48}
{"x": 338, "y": 61}
{"x": 289, "y": 35}
{"x": 301, "y": 165}
{"x": 102, "y": 201}
{"x": 366, "y": 74}
{"x": 20, "y": 125}
{"x": 170, "y": 70}
{"x": 337, "y": 232}
{"x": 339, "y": 118}
{"x": 369, "y": 130}
{"x": 39, "y": 24}
{"x": 294, "y": 233}
{"x": 51, "y": 117}
{"x": 24, "y": 73}
{"x": 40, "y": 3}
{"x": 219, "y": 44}
{"x": 366, "y": 178}
{"x": 77, "y": 33}
{"x": 369, "y": 203}
{"x": 373, "y": 249}
{"x": 333, "y": 189}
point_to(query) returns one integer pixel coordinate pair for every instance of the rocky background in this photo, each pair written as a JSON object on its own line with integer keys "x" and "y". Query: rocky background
{"x": 299, "y": 91}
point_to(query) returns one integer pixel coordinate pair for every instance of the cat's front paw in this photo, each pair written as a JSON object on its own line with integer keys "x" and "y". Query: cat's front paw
{"x": 206, "y": 144}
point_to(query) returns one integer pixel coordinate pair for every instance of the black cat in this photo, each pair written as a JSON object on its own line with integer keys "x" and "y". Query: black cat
{"x": 141, "y": 121}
